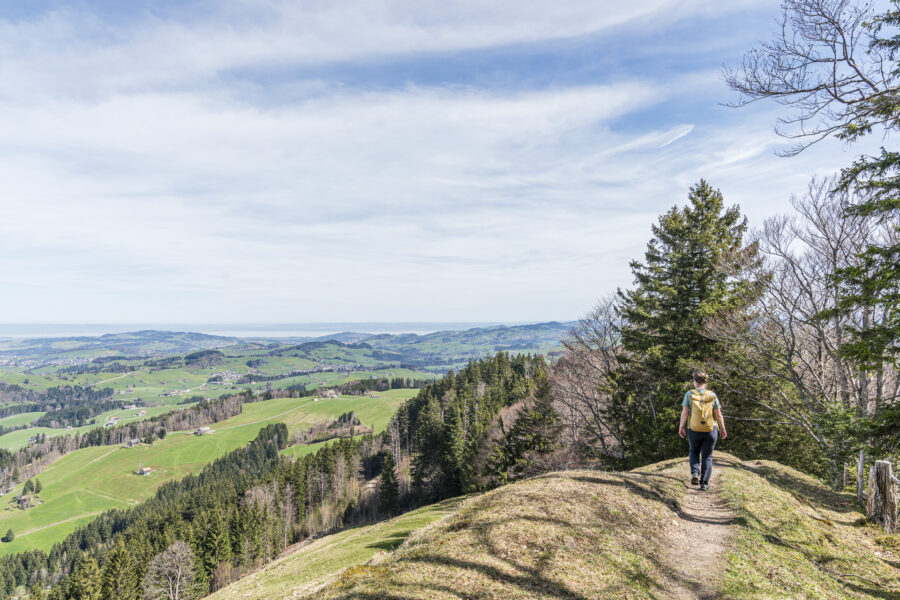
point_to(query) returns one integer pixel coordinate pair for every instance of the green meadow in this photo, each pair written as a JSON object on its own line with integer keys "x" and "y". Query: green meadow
{"x": 86, "y": 482}
{"x": 22, "y": 419}
{"x": 17, "y": 439}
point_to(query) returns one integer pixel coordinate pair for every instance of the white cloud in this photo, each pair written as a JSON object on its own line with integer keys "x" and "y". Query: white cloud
{"x": 88, "y": 55}
{"x": 137, "y": 185}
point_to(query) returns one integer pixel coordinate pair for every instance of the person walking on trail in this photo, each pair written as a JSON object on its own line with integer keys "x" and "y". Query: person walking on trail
{"x": 702, "y": 412}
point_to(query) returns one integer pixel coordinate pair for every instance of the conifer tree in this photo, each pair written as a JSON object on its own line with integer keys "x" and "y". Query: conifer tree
{"x": 452, "y": 456}
{"x": 681, "y": 283}
{"x": 38, "y": 486}
{"x": 85, "y": 583}
{"x": 534, "y": 434}
{"x": 120, "y": 579}
{"x": 36, "y": 592}
{"x": 29, "y": 487}
{"x": 389, "y": 494}
{"x": 215, "y": 544}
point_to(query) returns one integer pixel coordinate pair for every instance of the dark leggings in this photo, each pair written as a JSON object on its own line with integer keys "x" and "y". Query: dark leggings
{"x": 702, "y": 444}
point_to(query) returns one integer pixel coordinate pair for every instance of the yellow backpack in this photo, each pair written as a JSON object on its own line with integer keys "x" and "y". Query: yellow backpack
{"x": 702, "y": 402}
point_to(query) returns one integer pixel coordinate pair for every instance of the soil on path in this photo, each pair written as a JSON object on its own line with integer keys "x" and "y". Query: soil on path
{"x": 698, "y": 540}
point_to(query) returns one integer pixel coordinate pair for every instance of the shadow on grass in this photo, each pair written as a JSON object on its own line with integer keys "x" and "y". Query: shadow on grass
{"x": 875, "y": 592}
{"x": 390, "y": 543}
{"x": 816, "y": 556}
{"x": 805, "y": 491}
{"x": 634, "y": 482}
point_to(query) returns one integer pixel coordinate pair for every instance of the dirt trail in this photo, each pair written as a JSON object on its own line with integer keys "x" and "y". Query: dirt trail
{"x": 698, "y": 542}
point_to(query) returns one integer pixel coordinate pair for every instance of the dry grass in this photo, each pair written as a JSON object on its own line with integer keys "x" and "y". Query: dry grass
{"x": 799, "y": 539}
{"x": 578, "y": 534}
{"x": 588, "y": 534}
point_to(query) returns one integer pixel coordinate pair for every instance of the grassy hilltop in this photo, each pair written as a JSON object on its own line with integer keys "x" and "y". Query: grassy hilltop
{"x": 587, "y": 534}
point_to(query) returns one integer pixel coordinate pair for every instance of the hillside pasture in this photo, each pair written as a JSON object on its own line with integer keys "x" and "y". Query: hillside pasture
{"x": 310, "y": 566}
{"x": 20, "y": 419}
{"x": 17, "y": 439}
{"x": 86, "y": 482}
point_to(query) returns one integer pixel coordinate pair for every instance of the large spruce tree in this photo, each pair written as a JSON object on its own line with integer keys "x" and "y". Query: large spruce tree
{"x": 120, "y": 579}
{"x": 681, "y": 283}
{"x": 389, "y": 493}
{"x": 85, "y": 582}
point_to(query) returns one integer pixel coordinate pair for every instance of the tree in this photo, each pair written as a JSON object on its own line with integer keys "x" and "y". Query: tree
{"x": 85, "y": 581}
{"x": 389, "y": 487}
{"x": 29, "y": 487}
{"x": 586, "y": 381}
{"x": 533, "y": 435}
{"x": 215, "y": 545}
{"x": 38, "y": 486}
{"x": 784, "y": 350}
{"x": 10, "y": 536}
{"x": 170, "y": 575}
{"x": 120, "y": 579}
{"x": 36, "y": 592}
{"x": 833, "y": 63}
{"x": 681, "y": 284}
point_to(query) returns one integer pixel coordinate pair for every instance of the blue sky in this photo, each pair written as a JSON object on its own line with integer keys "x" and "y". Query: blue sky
{"x": 269, "y": 161}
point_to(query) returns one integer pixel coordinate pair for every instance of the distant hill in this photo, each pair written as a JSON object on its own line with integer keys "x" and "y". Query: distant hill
{"x": 131, "y": 344}
{"x": 438, "y": 350}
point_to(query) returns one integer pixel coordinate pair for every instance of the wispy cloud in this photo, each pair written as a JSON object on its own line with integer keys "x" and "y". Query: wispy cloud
{"x": 211, "y": 165}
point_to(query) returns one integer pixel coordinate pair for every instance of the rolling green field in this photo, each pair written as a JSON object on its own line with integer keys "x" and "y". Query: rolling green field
{"x": 150, "y": 387}
{"x": 86, "y": 482}
{"x": 22, "y": 419}
{"x": 17, "y": 439}
{"x": 310, "y": 566}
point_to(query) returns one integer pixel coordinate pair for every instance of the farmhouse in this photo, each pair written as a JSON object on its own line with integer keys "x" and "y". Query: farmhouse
{"x": 133, "y": 442}
{"x": 329, "y": 394}
{"x": 204, "y": 431}
{"x": 145, "y": 471}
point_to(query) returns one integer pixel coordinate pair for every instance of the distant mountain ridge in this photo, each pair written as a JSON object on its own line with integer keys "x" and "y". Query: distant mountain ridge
{"x": 474, "y": 342}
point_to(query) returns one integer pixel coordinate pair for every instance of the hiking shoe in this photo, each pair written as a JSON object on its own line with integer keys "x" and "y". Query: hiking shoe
{"x": 704, "y": 487}
{"x": 695, "y": 479}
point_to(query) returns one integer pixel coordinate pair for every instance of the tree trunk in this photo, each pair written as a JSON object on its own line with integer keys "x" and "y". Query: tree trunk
{"x": 882, "y": 501}
{"x": 860, "y": 467}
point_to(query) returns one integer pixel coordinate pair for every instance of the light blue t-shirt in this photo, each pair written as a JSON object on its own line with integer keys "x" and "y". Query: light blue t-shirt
{"x": 687, "y": 402}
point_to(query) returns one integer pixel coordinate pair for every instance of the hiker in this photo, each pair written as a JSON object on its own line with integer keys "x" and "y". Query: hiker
{"x": 706, "y": 422}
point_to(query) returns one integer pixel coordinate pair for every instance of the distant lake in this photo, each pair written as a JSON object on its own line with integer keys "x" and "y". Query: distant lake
{"x": 242, "y": 330}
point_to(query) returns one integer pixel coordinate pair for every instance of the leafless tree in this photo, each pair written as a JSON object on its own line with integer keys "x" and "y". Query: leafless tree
{"x": 584, "y": 380}
{"x": 828, "y": 65}
{"x": 170, "y": 575}
{"x": 785, "y": 337}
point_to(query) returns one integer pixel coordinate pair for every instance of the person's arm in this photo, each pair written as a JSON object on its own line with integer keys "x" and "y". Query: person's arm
{"x": 684, "y": 416}
{"x": 721, "y": 421}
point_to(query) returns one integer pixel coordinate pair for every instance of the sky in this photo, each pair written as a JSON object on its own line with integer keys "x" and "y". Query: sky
{"x": 366, "y": 160}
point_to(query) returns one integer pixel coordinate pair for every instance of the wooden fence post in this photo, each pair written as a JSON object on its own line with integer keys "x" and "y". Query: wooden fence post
{"x": 860, "y": 467}
{"x": 881, "y": 505}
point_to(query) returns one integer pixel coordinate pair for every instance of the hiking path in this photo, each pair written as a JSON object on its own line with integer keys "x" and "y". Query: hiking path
{"x": 699, "y": 540}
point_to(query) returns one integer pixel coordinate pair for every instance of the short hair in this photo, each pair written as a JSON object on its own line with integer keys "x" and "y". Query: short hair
{"x": 700, "y": 377}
